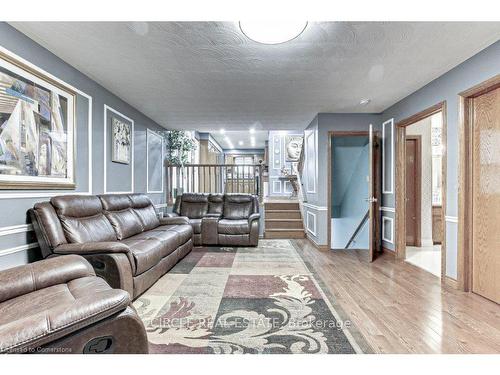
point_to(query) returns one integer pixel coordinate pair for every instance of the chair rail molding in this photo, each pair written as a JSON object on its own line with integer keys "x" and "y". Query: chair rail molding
{"x": 13, "y": 229}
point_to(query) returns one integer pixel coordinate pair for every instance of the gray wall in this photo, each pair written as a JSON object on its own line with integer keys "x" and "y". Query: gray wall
{"x": 477, "y": 69}
{"x": 17, "y": 242}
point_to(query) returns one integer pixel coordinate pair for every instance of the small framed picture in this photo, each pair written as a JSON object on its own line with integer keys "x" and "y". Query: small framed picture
{"x": 121, "y": 141}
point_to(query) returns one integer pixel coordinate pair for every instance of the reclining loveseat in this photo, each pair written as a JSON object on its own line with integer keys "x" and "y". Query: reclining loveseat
{"x": 119, "y": 234}
{"x": 220, "y": 219}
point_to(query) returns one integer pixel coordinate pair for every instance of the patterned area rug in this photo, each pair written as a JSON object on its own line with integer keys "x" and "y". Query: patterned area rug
{"x": 244, "y": 300}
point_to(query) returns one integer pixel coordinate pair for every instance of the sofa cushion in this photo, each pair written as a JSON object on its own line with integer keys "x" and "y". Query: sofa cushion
{"x": 226, "y": 226}
{"x": 126, "y": 223}
{"x": 147, "y": 253}
{"x": 184, "y": 232}
{"x": 238, "y": 206}
{"x": 194, "y": 205}
{"x": 167, "y": 238}
{"x": 215, "y": 203}
{"x": 143, "y": 207}
{"x": 82, "y": 219}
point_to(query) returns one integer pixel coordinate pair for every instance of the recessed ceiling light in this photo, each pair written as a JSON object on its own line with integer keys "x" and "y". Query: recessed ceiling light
{"x": 272, "y": 32}
{"x": 240, "y": 143}
{"x": 365, "y": 101}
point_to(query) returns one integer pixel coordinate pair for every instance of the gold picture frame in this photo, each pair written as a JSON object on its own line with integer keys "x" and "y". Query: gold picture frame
{"x": 37, "y": 128}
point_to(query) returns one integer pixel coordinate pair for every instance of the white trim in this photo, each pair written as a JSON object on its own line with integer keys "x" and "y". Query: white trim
{"x": 161, "y": 205}
{"x": 18, "y": 195}
{"x": 314, "y": 207}
{"x": 312, "y": 239}
{"x": 315, "y": 169}
{"x": 313, "y": 232}
{"x": 391, "y": 191}
{"x": 274, "y": 184}
{"x": 384, "y": 219}
{"x": 148, "y": 133}
{"x": 17, "y": 249}
{"x": 106, "y": 108}
{"x": 451, "y": 219}
{"x": 387, "y": 209}
{"x": 274, "y": 152}
{"x": 13, "y": 229}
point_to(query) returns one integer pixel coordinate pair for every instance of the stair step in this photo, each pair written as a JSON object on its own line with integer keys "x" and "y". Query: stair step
{"x": 284, "y": 233}
{"x": 283, "y": 224}
{"x": 281, "y": 206}
{"x": 283, "y": 214}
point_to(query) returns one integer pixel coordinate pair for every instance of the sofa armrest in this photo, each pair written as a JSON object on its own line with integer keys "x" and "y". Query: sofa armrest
{"x": 18, "y": 281}
{"x": 92, "y": 248}
{"x": 89, "y": 248}
{"x": 171, "y": 214}
{"x": 253, "y": 217}
{"x": 177, "y": 220}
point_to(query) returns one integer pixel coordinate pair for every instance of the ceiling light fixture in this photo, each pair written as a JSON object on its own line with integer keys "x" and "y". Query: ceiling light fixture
{"x": 252, "y": 130}
{"x": 365, "y": 101}
{"x": 240, "y": 143}
{"x": 272, "y": 32}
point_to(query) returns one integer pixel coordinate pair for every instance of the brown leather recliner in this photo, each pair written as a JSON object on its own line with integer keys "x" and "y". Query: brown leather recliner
{"x": 59, "y": 305}
{"x": 220, "y": 219}
{"x": 119, "y": 234}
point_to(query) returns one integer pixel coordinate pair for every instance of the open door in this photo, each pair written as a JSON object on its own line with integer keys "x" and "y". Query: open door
{"x": 374, "y": 198}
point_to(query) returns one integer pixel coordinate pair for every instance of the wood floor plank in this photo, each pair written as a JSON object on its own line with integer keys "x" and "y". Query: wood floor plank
{"x": 400, "y": 308}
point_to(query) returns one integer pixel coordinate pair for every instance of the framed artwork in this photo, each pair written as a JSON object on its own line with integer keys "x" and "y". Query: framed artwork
{"x": 37, "y": 129}
{"x": 293, "y": 147}
{"x": 121, "y": 141}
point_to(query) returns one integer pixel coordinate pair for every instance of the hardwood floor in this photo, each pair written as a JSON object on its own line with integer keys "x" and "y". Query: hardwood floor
{"x": 400, "y": 308}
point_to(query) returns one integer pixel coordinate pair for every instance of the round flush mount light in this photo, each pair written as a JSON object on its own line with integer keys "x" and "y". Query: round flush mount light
{"x": 272, "y": 32}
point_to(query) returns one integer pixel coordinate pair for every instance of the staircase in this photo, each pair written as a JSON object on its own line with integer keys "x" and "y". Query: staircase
{"x": 283, "y": 220}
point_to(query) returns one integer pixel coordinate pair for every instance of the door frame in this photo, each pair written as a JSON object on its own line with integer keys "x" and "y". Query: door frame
{"x": 400, "y": 190}
{"x": 331, "y": 134}
{"x": 418, "y": 188}
{"x": 465, "y": 198}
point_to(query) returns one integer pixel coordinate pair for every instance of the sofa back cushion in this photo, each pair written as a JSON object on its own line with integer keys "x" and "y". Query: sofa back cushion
{"x": 194, "y": 206}
{"x": 216, "y": 204}
{"x": 144, "y": 209}
{"x": 118, "y": 210}
{"x": 83, "y": 219}
{"x": 238, "y": 206}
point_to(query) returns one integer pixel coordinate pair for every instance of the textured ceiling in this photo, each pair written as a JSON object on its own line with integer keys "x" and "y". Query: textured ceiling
{"x": 207, "y": 75}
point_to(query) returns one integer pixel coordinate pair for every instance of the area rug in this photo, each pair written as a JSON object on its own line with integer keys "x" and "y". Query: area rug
{"x": 244, "y": 300}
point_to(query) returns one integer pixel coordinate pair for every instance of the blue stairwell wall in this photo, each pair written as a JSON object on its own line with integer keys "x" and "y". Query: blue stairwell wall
{"x": 351, "y": 207}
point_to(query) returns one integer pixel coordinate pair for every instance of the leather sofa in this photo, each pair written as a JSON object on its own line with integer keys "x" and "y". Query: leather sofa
{"x": 220, "y": 219}
{"x": 119, "y": 234}
{"x": 59, "y": 305}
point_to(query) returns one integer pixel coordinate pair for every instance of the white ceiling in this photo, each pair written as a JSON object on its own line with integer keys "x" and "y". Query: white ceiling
{"x": 243, "y": 136}
{"x": 208, "y": 75}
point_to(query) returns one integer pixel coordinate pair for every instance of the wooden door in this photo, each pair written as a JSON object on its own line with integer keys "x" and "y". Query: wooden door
{"x": 486, "y": 195}
{"x": 412, "y": 188}
{"x": 374, "y": 198}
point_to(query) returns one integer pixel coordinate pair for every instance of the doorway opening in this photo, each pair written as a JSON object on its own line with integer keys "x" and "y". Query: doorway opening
{"x": 349, "y": 207}
{"x": 420, "y": 191}
{"x": 423, "y": 164}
